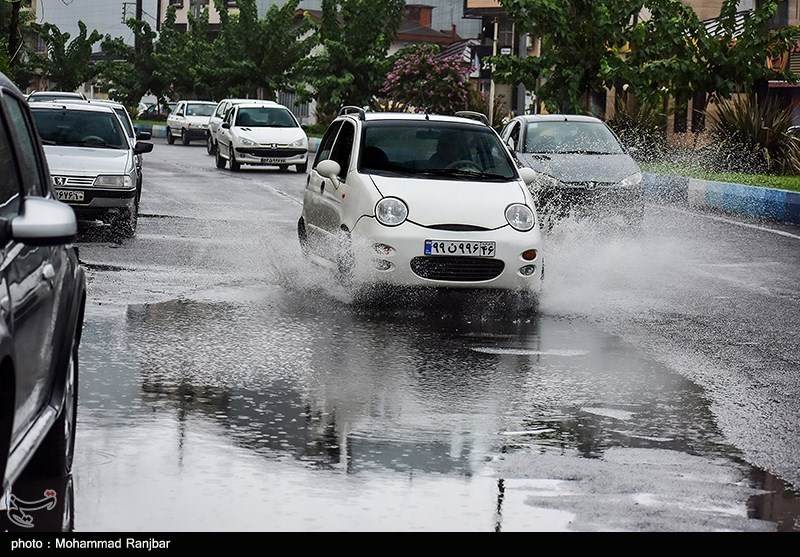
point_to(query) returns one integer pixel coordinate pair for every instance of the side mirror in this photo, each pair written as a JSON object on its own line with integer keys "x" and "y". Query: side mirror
{"x": 304, "y": 127}
{"x": 226, "y": 125}
{"x": 142, "y": 147}
{"x": 329, "y": 168}
{"x": 144, "y": 136}
{"x": 527, "y": 174}
{"x": 44, "y": 222}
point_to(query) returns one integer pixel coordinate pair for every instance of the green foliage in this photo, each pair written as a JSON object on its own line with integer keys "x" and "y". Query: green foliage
{"x": 255, "y": 57}
{"x": 67, "y": 64}
{"x": 421, "y": 82}
{"x": 351, "y": 65}
{"x": 752, "y": 135}
{"x": 590, "y": 44}
{"x": 127, "y": 73}
{"x": 578, "y": 40}
{"x": 179, "y": 55}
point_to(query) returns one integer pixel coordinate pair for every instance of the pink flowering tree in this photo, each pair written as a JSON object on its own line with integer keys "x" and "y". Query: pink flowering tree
{"x": 421, "y": 82}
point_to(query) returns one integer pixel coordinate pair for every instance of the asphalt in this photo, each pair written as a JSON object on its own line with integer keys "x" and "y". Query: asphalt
{"x": 739, "y": 199}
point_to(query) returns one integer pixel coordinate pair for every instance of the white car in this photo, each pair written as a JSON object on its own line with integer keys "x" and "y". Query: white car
{"x": 261, "y": 133}
{"x": 215, "y": 121}
{"x": 189, "y": 121}
{"x": 421, "y": 200}
{"x": 92, "y": 162}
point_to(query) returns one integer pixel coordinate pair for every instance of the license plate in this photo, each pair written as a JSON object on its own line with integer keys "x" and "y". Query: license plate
{"x": 69, "y": 195}
{"x": 273, "y": 161}
{"x": 449, "y": 247}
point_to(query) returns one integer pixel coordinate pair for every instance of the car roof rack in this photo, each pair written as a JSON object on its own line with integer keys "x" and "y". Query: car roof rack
{"x": 353, "y": 109}
{"x": 480, "y": 116}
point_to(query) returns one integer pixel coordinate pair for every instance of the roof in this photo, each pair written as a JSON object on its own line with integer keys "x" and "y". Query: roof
{"x": 414, "y": 117}
{"x": 558, "y": 118}
{"x": 72, "y": 105}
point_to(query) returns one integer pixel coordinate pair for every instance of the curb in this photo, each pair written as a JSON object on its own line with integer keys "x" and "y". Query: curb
{"x": 769, "y": 203}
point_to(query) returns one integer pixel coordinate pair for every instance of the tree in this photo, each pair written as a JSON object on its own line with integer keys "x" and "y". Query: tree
{"x": 673, "y": 53}
{"x": 66, "y": 66}
{"x": 129, "y": 74}
{"x": 15, "y": 20}
{"x": 256, "y": 57}
{"x": 351, "y": 65}
{"x": 577, "y": 41}
{"x": 179, "y": 55}
{"x": 425, "y": 83}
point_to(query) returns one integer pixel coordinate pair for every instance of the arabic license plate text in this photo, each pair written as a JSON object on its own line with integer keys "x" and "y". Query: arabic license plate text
{"x": 69, "y": 195}
{"x": 449, "y": 247}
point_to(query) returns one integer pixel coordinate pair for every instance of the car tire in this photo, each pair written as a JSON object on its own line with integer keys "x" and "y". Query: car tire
{"x": 210, "y": 144}
{"x": 184, "y": 137}
{"x": 55, "y": 455}
{"x": 220, "y": 162}
{"x": 302, "y": 168}
{"x": 124, "y": 222}
{"x": 170, "y": 137}
{"x": 234, "y": 164}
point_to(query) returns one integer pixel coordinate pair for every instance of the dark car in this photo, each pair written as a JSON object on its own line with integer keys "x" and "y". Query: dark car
{"x": 584, "y": 170}
{"x": 42, "y": 300}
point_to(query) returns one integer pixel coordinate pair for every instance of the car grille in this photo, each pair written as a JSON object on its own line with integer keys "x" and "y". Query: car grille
{"x": 460, "y": 269}
{"x": 74, "y": 181}
{"x": 458, "y": 227}
{"x": 269, "y": 152}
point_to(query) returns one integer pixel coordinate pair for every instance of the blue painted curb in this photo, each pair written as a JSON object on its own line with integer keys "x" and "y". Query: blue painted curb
{"x": 769, "y": 203}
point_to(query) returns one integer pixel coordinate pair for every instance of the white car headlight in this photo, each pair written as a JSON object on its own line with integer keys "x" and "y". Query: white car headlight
{"x": 632, "y": 181}
{"x": 247, "y": 142}
{"x": 114, "y": 181}
{"x": 302, "y": 142}
{"x": 391, "y": 211}
{"x": 520, "y": 217}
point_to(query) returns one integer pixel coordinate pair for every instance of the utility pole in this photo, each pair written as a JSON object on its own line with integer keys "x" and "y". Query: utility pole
{"x": 137, "y": 42}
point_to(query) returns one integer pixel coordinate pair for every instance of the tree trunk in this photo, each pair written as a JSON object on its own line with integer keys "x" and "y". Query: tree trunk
{"x": 13, "y": 32}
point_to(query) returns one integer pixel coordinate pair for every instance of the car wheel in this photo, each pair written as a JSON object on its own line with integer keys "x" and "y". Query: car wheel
{"x": 210, "y": 144}
{"x": 184, "y": 137}
{"x": 218, "y": 158}
{"x": 302, "y": 236}
{"x": 124, "y": 223}
{"x": 170, "y": 137}
{"x": 235, "y": 166}
{"x": 55, "y": 454}
{"x": 302, "y": 168}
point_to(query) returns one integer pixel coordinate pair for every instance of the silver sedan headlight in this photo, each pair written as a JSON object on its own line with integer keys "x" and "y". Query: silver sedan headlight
{"x": 247, "y": 142}
{"x": 391, "y": 211}
{"x": 632, "y": 181}
{"x": 114, "y": 181}
{"x": 520, "y": 217}
{"x": 302, "y": 142}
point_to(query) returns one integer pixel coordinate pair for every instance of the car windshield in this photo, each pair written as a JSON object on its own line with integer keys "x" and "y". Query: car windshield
{"x": 435, "y": 149}
{"x": 80, "y": 128}
{"x": 564, "y": 137}
{"x": 265, "y": 117}
{"x": 197, "y": 109}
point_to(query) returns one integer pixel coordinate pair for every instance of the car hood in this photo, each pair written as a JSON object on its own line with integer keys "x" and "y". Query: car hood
{"x": 582, "y": 168}
{"x": 87, "y": 161}
{"x": 281, "y": 136}
{"x": 432, "y": 202}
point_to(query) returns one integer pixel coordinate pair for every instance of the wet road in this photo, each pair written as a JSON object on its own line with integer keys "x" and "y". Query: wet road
{"x": 228, "y": 385}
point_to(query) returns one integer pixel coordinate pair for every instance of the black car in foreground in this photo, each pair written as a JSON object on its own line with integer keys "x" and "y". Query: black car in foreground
{"x": 42, "y": 300}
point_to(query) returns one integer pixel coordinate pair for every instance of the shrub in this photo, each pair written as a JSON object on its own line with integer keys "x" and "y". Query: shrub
{"x": 642, "y": 128}
{"x": 754, "y": 136}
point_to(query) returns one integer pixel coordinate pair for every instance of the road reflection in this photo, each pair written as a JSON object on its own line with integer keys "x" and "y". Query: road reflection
{"x": 428, "y": 386}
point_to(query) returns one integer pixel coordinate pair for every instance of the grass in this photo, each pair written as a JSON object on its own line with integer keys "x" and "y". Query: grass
{"x": 790, "y": 183}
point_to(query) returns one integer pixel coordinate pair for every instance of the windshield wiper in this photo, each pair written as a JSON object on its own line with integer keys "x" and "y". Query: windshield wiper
{"x": 459, "y": 173}
{"x": 102, "y": 145}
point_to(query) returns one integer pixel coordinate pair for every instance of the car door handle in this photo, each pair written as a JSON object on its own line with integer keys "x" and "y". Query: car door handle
{"x": 322, "y": 187}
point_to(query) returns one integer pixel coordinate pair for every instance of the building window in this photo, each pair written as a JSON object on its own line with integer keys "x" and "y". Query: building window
{"x": 178, "y": 3}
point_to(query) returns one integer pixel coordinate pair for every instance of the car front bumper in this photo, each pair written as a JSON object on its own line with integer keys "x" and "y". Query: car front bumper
{"x": 601, "y": 201}
{"x": 271, "y": 156}
{"x": 400, "y": 258}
